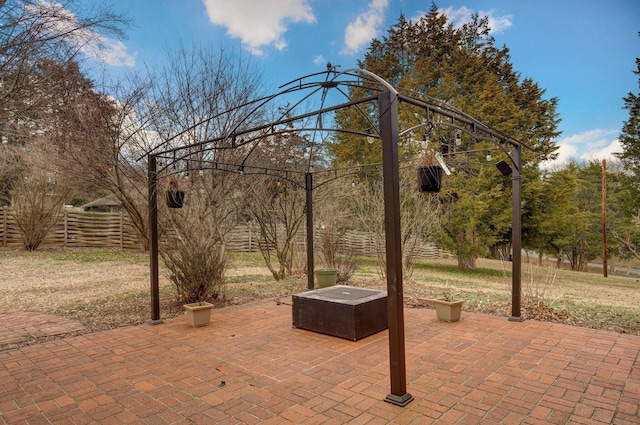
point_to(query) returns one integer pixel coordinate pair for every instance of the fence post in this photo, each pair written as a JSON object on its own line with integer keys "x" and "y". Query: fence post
{"x": 4, "y": 227}
{"x": 121, "y": 230}
{"x": 66, "y": 227}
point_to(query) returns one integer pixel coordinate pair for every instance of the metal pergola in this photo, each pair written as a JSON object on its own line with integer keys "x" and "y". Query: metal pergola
{"x": 386, "y": 99}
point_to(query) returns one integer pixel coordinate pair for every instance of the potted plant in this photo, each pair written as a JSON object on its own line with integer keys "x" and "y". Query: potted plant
{"x": 429, "y": 173}
{"x": 175, "y": 195}
{"x": 336, "y": 268}
{"x": 195, "y": 265}
{"x": 198, "y": 313}
{"x": 326, "y": 277}
{"x": 448, "y": 306}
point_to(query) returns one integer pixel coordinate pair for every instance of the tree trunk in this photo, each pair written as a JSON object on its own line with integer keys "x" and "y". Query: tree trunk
{"x": 467, "y": 261}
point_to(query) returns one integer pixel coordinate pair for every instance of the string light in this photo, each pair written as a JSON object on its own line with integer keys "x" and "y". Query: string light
{"x": 370, "y": 138}
{"x": 425, "y": 141}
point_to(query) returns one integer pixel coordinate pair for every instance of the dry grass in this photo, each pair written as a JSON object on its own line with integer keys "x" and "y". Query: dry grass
{"x": 107, "y": 289}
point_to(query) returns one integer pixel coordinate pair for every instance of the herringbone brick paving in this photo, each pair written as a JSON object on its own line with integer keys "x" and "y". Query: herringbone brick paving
{"x": 250, "y": 366}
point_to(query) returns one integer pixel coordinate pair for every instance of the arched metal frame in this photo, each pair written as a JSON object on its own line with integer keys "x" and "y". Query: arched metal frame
{"x": 388, "y": 99}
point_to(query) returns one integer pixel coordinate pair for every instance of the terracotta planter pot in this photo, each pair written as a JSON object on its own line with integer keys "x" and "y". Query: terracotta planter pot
{"x": 447, "y": 311}
{"x": 198, "y": 314}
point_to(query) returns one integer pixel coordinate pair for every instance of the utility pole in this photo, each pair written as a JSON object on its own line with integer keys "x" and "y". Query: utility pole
{"x": 604, "y": 218}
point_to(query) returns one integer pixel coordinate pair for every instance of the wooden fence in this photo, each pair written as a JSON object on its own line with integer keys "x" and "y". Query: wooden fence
{"x": 245, "y": 239}
{"x": 78, "y": 229}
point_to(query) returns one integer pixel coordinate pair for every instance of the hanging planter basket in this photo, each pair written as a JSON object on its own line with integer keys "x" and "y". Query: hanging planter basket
{"x": 429, "y": 178}
{"x": 175, "y": 198}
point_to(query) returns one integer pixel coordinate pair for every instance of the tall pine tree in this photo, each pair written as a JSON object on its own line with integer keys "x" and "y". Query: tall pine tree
{"x": 629, "y": 233}
{"x": 464, "y": 68}
{"x": 630, "y": 136}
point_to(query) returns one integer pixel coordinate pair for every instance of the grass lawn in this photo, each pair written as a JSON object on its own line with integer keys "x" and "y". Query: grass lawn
{"x": 104, "y": 289}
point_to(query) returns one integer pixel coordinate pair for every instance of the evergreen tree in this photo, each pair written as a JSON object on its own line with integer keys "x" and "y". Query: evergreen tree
{"x": 551, "y": 215}
{"x": 628, "y": 233}
{"x": 464, "y": 68}
{"x": 630, "y": 136}
{"x": 585, "y": 244}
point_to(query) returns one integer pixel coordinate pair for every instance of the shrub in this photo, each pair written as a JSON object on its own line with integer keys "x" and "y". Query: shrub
{"x": 196, "y": 268}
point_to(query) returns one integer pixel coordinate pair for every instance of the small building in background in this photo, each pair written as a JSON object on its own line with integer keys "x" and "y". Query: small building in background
{"x": 107, "y": 204}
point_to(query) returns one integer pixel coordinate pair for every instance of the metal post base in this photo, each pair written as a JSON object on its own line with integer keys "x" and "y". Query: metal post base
{"x": 516, "y": 319}
{"x": 155, "y": 322}
{"x": 399, "y": 400}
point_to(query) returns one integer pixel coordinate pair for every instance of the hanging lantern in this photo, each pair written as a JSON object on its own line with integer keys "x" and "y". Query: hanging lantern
{"x": 175, "y": 195}
{"x": 429, "y": 178}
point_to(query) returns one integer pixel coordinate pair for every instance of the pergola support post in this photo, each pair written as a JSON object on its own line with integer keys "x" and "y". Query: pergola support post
{"x": 388, "y": 110}
{"x": 516, "y": 235}
{"x": 152, "y": 176}
{"x": 308, "y": 186}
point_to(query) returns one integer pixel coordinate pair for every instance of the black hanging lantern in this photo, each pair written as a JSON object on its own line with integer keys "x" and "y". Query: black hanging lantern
{"x": 429, "y": 178}
{"x": 504, "y": 168}
{"x": 175, "y": 198}
{"x": 175, "y": 195}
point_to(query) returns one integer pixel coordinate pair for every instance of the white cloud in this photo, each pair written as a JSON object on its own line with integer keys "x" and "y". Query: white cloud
{"x": 566, "y": 152}
{"x": 112, "y": 52}
{"x": 457, "y": 16}
{"x": 259, "y": 23}
{"x": 498, "y": 24}
{"x": 592, "y": 145}
{"x": 319, "y": 60}
{"x": 365, "y": 27}
{"x": 56, "y": 19}
{"x": 604, "y": 152}
{"x": 462, "y": 15}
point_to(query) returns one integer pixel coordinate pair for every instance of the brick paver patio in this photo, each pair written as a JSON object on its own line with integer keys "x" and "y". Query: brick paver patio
{"x": 19, "y": 327}
{"x": 250, "y": 366}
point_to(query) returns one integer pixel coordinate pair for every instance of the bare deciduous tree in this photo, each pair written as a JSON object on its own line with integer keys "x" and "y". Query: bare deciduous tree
{"x": 100, "y": 142}
{"x": 12, "y": 169}
{"x": 278, "y": 208}
{"x": 277, "y": 205}
{"x": 194, "y": 237}
{"x": 332, "y": 221}
{"x": 35, "y": 33}
{"x": 419, "y": 216}
{"x": 199, "y": 96}
{"x": 627, "y": 241}
{"x": 39, "y": 44}
{"x": 38, "y": 200}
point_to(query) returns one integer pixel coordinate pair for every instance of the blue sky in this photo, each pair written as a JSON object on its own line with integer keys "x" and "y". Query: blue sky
{"x": 581, "y": 51}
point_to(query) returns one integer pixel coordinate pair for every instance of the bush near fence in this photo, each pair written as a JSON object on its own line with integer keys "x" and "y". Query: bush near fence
{"x": 80, "y": 229}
